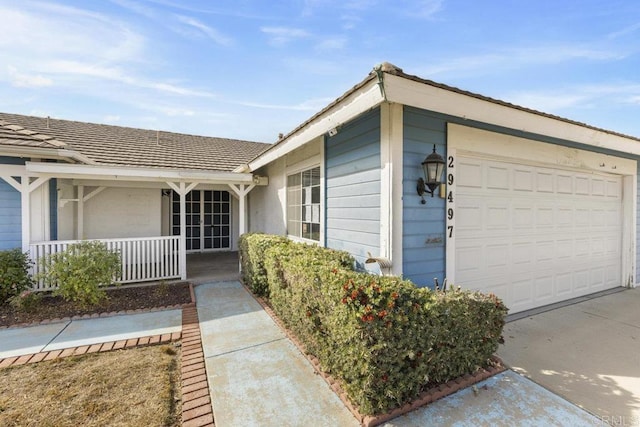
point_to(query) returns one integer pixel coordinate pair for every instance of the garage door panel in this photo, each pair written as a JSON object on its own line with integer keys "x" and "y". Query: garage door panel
{"x": 543, "y": 287}
{"x": 613, "y": 189}
{"x": 564, "y": 183}
{"x": 544, "y": 182}
{"x": 497, "y": 216}
{"x": 522, "y": 291}
{"x": 563, "y": 284}
{"x": 598, "y": 187}
{"x": 497, "y": 255}
{"x": 582, "y": 185}
{"x": 470, "y": 174}
{"x": 522, "y": 179}
{"x": 536, "y": 235}
{"x": 497, "y": 178}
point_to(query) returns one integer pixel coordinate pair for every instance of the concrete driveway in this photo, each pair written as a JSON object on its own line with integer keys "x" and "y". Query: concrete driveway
{"x": 588, "y": 353}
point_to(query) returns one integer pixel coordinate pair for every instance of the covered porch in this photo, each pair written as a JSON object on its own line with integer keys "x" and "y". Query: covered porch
{"x": 123, "y": 198}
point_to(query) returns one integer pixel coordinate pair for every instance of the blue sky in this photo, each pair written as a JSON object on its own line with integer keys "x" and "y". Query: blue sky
{"x": 250, "y": 69}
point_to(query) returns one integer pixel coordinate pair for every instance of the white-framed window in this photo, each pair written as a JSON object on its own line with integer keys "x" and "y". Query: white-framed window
{"x": 303, "y": 204}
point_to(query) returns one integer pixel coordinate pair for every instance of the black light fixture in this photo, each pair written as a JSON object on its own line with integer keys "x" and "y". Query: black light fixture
{"x": 433, "y": 166}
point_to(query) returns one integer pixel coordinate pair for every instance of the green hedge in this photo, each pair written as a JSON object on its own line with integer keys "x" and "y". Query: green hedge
{"x": 252, "y": 247}
{"x": 383, "y": 337}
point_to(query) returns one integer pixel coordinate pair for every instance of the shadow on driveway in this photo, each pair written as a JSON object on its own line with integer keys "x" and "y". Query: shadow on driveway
{"x": 588, "y": 353}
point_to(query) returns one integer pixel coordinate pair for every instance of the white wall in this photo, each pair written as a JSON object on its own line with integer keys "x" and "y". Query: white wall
{"x": 267, "y": 205}
{"x": 123, "y": 212}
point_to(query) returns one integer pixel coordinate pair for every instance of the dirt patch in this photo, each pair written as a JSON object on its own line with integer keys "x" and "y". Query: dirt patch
{"x": 136, "y": 387}
{"x": 118, "y": 299}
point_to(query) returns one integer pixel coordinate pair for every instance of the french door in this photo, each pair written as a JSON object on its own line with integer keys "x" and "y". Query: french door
{"x": 208, "y": 219}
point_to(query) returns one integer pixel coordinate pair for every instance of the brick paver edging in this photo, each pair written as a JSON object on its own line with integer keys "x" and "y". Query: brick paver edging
{"x": 426, "y": 397}
{"x": 196, "y": 403}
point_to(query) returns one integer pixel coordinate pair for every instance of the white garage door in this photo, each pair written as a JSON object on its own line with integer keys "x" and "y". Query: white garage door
{"x": 536, "y": 235}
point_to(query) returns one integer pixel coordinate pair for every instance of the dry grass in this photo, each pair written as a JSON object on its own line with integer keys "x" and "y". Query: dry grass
{"x": 136, "y": 387}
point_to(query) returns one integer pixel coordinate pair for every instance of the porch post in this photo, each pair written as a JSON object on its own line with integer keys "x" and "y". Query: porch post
{"x": 25, "y": 187}
{"x": 25, "y": 203}
{"x": 183, "y": 231}
{"x": 241, "y": 191}
{"x": 182, "y": 189}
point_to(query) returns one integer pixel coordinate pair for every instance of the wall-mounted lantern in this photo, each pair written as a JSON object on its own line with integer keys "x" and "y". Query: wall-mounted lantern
{"x": 433, "y": 166}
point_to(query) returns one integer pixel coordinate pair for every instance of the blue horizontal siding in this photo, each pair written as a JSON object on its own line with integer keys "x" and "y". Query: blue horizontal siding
{"x": 10, "y": 210}
{"x": 352, "y": 185}
{"x": 422, "y": 259}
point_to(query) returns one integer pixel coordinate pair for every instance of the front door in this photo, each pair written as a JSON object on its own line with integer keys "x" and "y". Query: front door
{"x": 208, "y": 219}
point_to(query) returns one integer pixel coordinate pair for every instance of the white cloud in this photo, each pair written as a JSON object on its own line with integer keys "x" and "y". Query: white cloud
{"x": 624, "y": 31}
{"x": 280, "y": 36}
{"x": 516, "y": 57}
{"x": 332, "y": 44}
{"x": 309, "y": 105}
{"x": 423, "y": 8}
{"x": 81, "y": 51}
{"x": 18, "y": 79}
{"x": 577, "y": 97}
{"x": 111, "y": 118}
{"x": 208, "y": 31}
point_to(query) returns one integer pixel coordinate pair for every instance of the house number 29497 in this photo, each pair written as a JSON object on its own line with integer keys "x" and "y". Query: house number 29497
{"x": 450, "y": 209}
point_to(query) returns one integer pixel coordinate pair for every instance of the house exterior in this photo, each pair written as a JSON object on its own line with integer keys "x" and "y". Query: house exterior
{"x": 532, "y": 207}
{"x": 155, "y": 196}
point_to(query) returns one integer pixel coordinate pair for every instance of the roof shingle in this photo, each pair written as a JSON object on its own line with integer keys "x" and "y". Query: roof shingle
{"x": 122, "y": 146}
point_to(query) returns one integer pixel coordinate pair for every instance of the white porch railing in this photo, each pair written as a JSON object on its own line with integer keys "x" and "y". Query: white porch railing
{"x": 143, "y": 258}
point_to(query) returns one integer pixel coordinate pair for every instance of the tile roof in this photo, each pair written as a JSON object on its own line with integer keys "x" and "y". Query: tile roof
{"x": 12, "y": 134}
{"x": 122, "y": 146}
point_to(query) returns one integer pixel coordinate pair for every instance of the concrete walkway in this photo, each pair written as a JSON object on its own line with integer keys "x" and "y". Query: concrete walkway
{"x": 257, "y": 377}
{"x": 20, "y": 341}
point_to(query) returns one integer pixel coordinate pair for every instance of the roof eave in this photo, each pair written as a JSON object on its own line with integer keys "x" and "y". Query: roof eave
{"x": 362, "y": 97}
{"x": 123, "y": 173}
{"x": 415, "y": 92}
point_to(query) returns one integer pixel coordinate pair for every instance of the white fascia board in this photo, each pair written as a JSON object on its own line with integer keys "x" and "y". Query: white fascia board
{"x": 427, "y": 97}
{"x": 117, "y": 173}
{"x": 45, "y": 153}
{"x": 360, "y": 100}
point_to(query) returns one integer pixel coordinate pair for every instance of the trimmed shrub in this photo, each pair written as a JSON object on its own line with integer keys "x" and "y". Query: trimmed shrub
{"x": 14, "y": 274}
{"x": 382, "y": 337}
{"x": 252, "y": 247}
{"x": 81, "y": 271}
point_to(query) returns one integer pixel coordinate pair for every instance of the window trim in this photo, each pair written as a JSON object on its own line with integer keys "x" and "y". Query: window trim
{"x": 304, "y": 167}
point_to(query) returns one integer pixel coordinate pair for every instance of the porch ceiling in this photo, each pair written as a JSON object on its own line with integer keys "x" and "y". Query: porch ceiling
{"x": 119, "y": 173}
